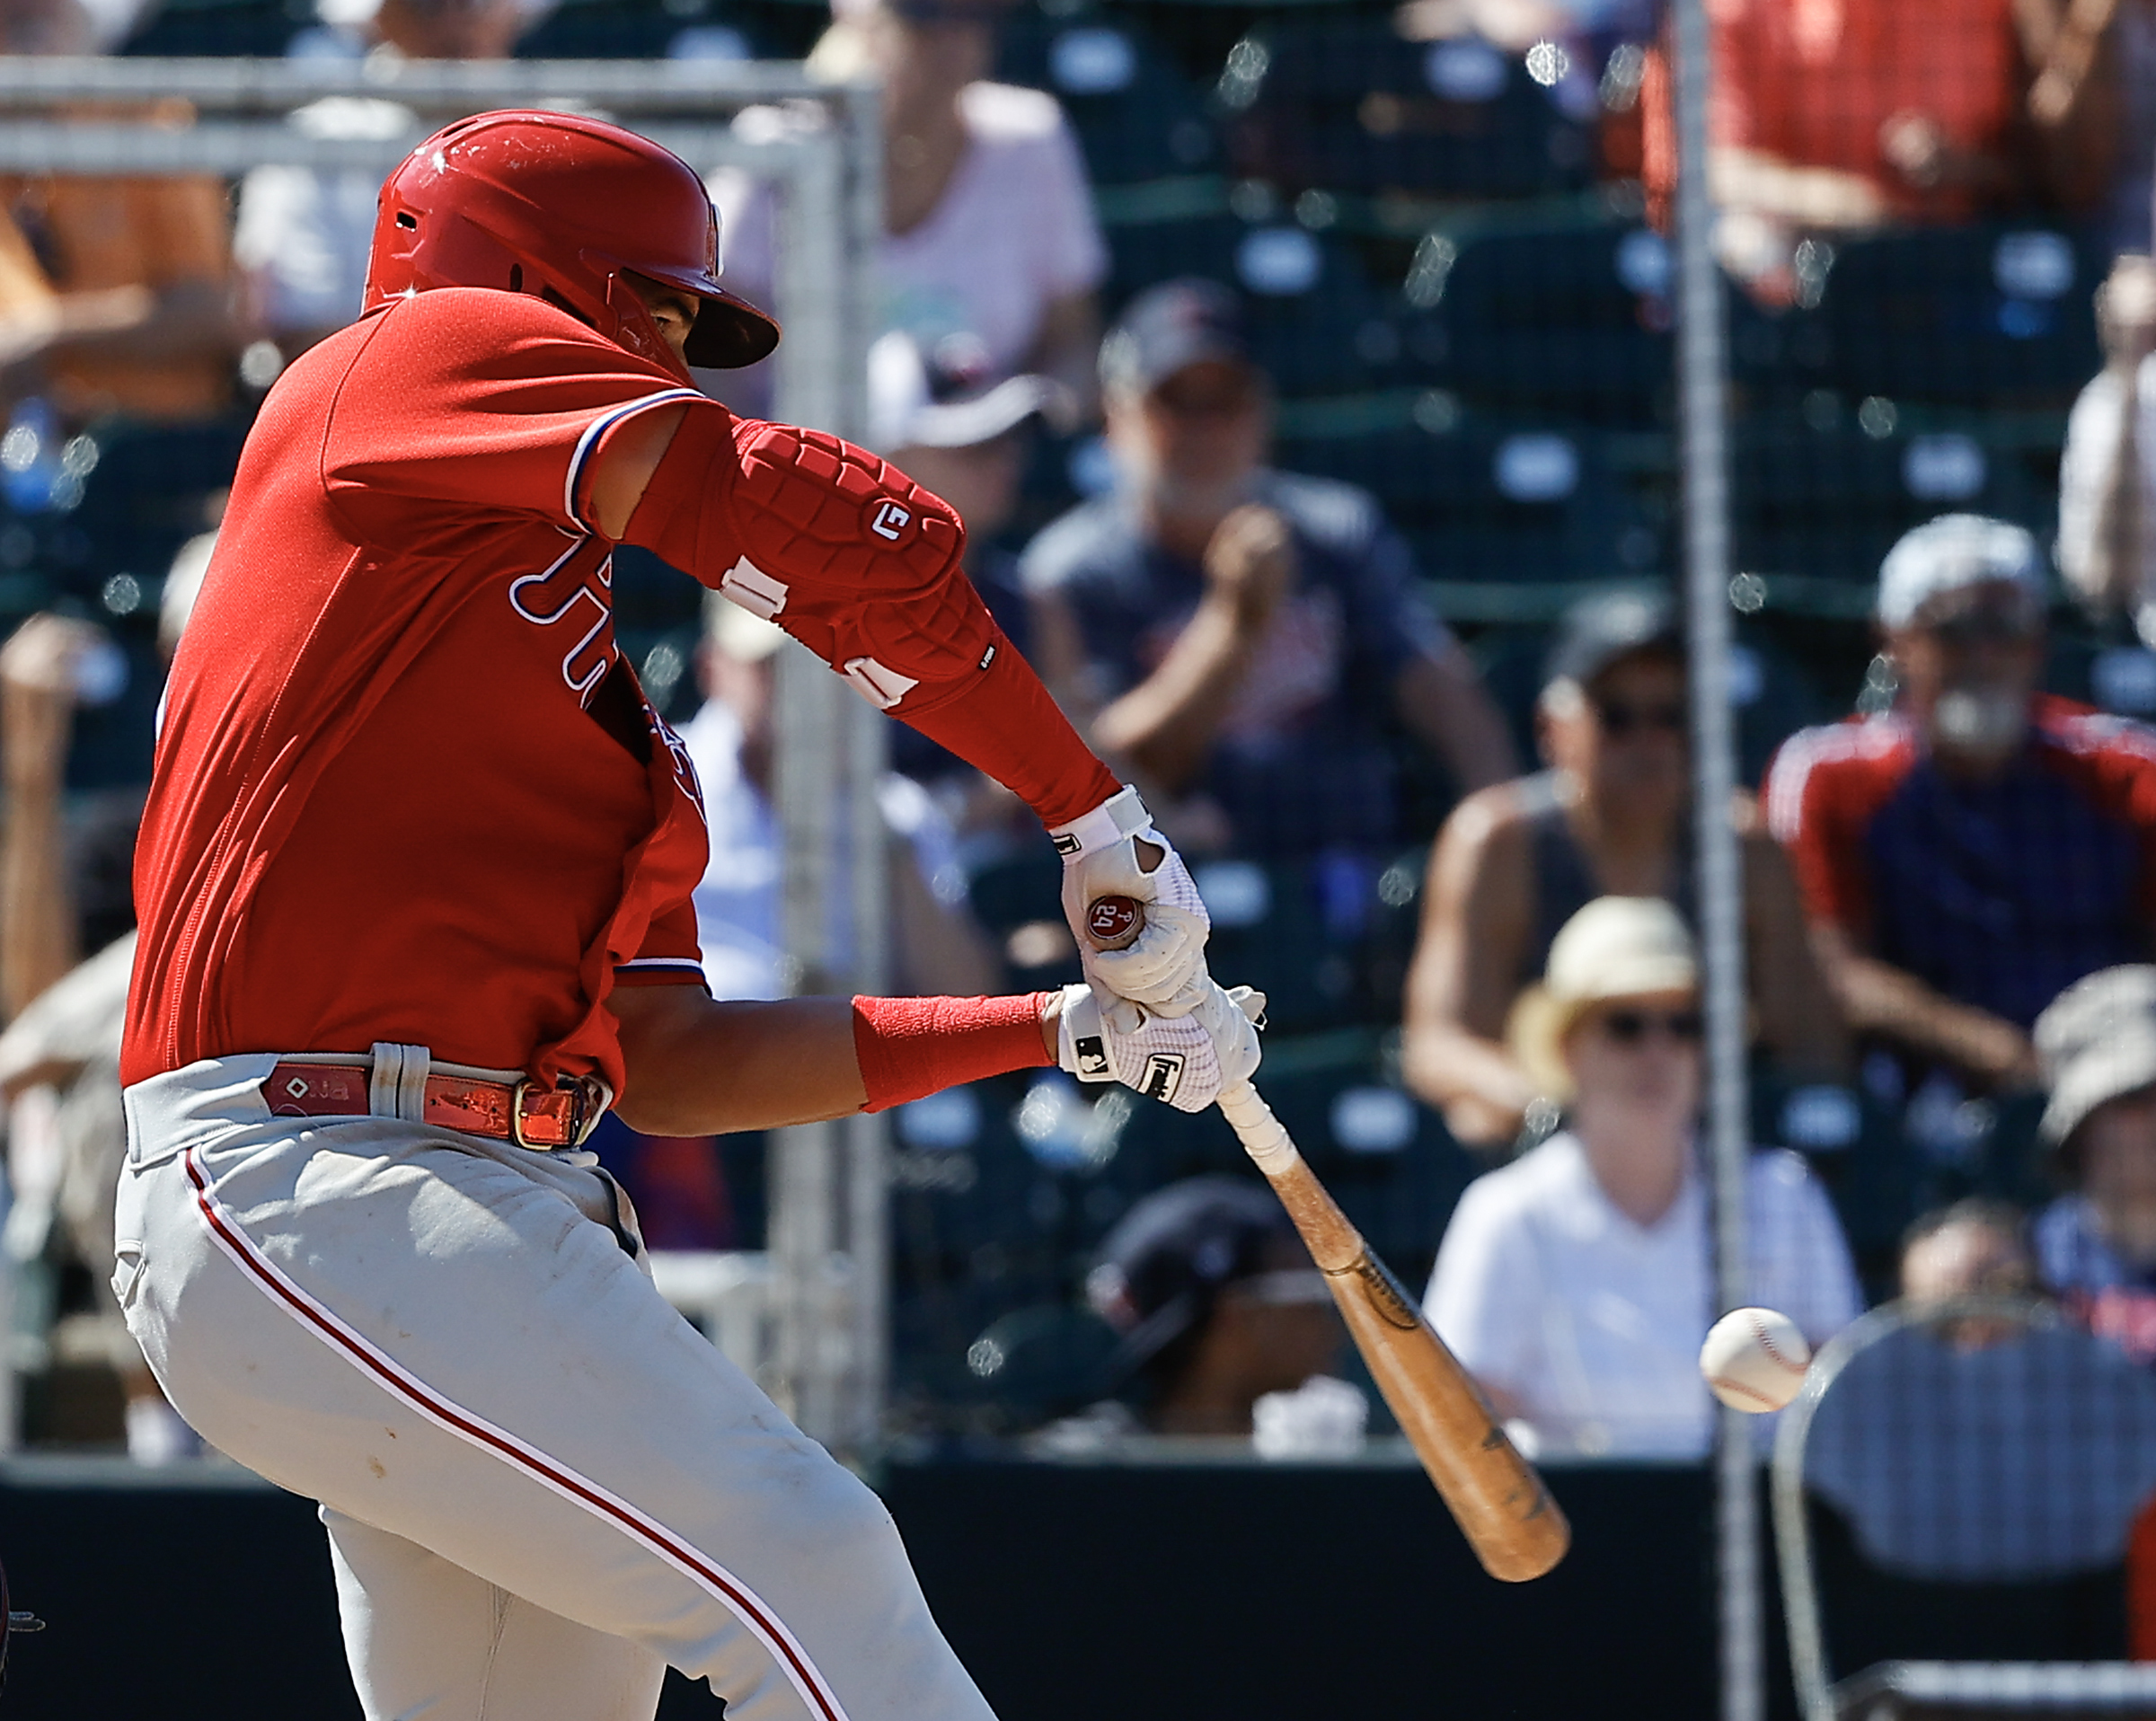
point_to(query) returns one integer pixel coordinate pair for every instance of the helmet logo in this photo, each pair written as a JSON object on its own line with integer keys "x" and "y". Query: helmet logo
{"x": 890, "y": 521}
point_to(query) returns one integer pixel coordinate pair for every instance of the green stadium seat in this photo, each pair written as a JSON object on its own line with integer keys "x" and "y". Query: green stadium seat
{"x": 1985, "y": 316}
{"x": 1344, "y": 104}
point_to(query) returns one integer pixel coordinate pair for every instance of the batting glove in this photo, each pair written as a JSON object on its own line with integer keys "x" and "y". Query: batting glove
{"x": 1186, "y": 1060}
{"x": 1165, "y": 970}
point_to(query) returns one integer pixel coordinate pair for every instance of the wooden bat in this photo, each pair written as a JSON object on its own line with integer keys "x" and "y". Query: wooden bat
{"x": 1495, "y": 1495}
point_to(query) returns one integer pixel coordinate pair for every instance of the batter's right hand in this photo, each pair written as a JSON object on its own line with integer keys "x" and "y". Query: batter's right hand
{"x": 1115, "y": 851}
{"x": 1186, "y": 1060}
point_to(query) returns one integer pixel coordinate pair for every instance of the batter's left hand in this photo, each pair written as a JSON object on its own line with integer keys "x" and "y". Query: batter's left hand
{"x": 1115, "y": 851}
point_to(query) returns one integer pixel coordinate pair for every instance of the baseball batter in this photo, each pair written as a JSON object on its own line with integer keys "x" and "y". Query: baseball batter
{"x": 414, "y": 884}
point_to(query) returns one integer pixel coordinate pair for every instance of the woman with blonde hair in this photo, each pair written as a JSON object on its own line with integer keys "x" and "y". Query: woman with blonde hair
{"x": 1577, "y": 1283}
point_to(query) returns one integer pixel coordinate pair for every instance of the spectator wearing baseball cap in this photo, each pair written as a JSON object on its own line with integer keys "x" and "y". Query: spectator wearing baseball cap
{"x": 1574, "y": 1283}
{"x": 947, "y": 420}
{"x": 1608, "y": 814}
{"x": 1968, "y": 853}
{"x": 1216, "y": 1305}
{"x": 1242, "y": 639}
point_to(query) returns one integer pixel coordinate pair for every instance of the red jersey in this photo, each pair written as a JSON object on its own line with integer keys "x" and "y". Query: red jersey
{"x": 1999, "y": 892}
{"x": 406, "y": 787}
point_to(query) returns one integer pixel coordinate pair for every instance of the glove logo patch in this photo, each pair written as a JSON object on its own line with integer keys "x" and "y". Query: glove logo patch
{"x": 1066, "y": 843}
{"x": 1092, "y": 1057}
{"x": 1162, "y": 1075}
{"x": 890, "y": 521}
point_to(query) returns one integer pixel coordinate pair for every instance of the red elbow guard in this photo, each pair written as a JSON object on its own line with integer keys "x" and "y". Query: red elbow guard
{"x": 911, "y": 1048}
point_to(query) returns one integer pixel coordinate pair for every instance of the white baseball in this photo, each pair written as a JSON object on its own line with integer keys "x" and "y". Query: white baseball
{"x": 1755, "y": 1359}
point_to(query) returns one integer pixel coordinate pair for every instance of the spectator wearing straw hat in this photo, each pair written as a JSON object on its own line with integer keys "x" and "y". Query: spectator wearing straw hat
{"x": 1611, "y": 814}
{"x": 1967, "y": 855}
{"x": 1574, "y": 1283}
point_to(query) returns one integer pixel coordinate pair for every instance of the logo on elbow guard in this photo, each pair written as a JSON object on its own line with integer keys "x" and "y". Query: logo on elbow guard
{"x": 1163, "y": 1076}
{"x": 889, "y": 520}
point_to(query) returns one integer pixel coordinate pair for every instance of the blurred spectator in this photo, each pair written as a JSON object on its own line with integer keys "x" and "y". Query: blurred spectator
{"x": 1217, "y": 1306}
{"x": 1967, "y": 855}
{"x": 1976, "y": 1247}
{"x": 990, "y": 241}
{"x": 1575, "y": 1282}
{"x": 115, "y": 294}
{"x": 59, "y": 1057}
{"x": 935, "y": 947}
{"x": 1241, "y": 636}
{"x": 1831, "y": 115}
{"x": 2107, "y": 474}
{"x": 1609, "y": 817}
{"x": 964, "y": 434}
{"x": 304, "y": 233}
{"x": 2095, "y": 1244}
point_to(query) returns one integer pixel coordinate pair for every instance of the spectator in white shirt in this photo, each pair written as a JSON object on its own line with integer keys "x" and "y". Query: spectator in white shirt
{"x": 1577, "y": 1283}
{"x": 936, "y": 945}
{"x": 2107, "y": 474}
{"x": 990, "y": 239}
{"x": 303, "y": 233}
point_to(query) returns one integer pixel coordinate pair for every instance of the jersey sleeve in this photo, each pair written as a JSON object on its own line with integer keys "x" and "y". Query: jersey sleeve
{"x": 464, "y": 404}
{"x": 1816, "y": 807}
{"x": 669, "y": 955}
{"x": 862, "y": 565}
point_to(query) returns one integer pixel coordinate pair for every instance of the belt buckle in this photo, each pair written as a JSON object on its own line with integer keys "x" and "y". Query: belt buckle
{"x": 590, "y": 1096}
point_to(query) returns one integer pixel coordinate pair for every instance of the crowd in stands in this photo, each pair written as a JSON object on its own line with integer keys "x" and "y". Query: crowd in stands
{"x": 1304, "y": 380}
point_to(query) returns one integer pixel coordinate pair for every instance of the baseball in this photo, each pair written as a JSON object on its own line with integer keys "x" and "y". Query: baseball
{"x": 1755, "y": 1359}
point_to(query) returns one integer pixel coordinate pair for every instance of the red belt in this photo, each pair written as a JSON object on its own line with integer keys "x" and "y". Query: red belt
{"x": 502, "y": 1111}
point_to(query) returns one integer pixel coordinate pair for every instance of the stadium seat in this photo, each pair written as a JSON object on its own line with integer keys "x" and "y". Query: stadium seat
{"x": 1496, "y": 504}
{"x": 1316, "y": 324}
{"x": 1576, "y": 319}
{"x": 1345, "y": 104}
{"x": 1986, "y": 316}
{"x": 217, "y": 27}
{"x": 1825, "y": 499}
{"x": 1135, "y": 115}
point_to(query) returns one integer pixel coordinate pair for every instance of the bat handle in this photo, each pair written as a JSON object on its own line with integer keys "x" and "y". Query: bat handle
{"x": 1261, "y": 1134}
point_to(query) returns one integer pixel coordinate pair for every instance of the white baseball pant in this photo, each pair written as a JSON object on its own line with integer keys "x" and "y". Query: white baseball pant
{"x": 542, "y": 1484}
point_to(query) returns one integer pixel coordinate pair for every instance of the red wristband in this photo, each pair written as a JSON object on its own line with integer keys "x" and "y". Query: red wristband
{"x": 910, "y": 1047}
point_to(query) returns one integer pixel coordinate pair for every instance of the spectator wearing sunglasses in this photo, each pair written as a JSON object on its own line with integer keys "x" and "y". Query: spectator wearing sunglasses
{"x": 1969, "y": 852}
{"x": 1575, "y": 1283}
{"x": 1610, "y": 815}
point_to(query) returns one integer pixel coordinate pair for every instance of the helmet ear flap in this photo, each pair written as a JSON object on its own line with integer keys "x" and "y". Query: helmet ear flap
{"x": 634, "y": 328}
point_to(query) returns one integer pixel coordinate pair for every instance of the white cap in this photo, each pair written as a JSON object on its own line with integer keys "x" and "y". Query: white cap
{"x": 1952, "y": 553}
{"x": 916, "y": 401}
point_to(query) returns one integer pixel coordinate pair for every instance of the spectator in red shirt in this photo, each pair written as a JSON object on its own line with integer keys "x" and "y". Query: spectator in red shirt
{"x": 1969, "y": 854}
{"x": 1840, "y": 114}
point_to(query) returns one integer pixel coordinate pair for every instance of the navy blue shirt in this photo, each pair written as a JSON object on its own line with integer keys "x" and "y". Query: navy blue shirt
{"x": 1303, "y": 762}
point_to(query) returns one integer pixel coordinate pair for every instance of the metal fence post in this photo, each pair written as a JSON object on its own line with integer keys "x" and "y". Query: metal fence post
{"x": 1702, "y": 383}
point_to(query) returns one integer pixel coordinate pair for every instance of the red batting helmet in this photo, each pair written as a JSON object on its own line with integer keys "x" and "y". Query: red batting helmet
{"x": 559, "y": 205}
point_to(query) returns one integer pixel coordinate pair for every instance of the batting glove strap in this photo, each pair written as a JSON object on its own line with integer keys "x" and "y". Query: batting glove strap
{"x": 1185, "y": 1060}
{"x": 1121, "y": 815}
{"x": 1165, "y": 970}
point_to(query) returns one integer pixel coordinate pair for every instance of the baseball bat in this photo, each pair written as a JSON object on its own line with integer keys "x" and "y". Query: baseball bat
{"x": 1494, "y": 1496}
